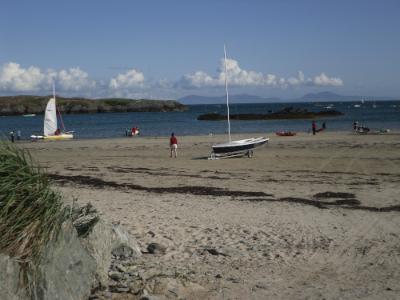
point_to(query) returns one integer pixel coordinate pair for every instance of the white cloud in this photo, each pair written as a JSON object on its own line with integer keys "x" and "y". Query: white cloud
{"x": 130, "y": 79}
{"x": 300, "y": 79}
{"x": 243, "y": 78}
{"x": 74, "y": 79}
{"x": 14, "y": 78}
{"x": 323, "y": 80}
{"x": 198, "y": 79}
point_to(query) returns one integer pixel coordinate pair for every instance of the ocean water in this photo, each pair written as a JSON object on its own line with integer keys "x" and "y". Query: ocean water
{"x": 375, "y": 115}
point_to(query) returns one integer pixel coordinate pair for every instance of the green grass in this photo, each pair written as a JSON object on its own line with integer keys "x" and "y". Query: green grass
{"x": 31, "y": 213}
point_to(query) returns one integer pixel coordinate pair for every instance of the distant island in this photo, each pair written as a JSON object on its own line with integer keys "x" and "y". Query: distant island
{"x": 23, "y": 105}
{"x": 284, "y": 114}
{"x": 246, "y": 98}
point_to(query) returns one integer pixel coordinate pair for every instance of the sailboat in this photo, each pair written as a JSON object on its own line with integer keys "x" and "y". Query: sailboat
{"x": 238, "y": 147}
{"x": 51, "y": 130}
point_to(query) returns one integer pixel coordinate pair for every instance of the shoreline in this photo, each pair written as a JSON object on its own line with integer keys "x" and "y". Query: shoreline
{"x": 223, "y": 137}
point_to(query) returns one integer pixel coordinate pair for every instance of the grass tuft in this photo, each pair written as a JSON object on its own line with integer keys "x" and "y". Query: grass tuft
{"x": 31, "y": 213}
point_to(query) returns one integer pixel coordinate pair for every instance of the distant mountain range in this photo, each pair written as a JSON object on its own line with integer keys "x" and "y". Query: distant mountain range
{"x": 245, "y": 98}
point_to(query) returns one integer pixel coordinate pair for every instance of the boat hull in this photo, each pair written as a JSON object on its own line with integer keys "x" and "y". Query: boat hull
{"x": 64, "y": 136}
{"x": 60, "y": 137}
{"x": 285, "y": 133}
{"x": 239, "y": 146}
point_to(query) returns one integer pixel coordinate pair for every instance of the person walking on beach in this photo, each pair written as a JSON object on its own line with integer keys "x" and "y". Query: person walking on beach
{"x": 314, "y": 127}
{"x": 355, "y": 125}
{"x": 12, "y": 136}
{"x": 173, "y": 144}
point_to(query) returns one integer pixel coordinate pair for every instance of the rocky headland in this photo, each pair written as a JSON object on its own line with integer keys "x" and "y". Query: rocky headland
{"x": 284, "y": 114}
{"x": 21, "y": 105}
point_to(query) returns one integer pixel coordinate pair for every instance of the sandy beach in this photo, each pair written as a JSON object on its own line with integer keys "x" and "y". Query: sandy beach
{"x": 308, "y": 217}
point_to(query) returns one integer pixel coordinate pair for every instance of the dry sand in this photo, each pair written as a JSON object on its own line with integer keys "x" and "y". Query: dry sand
{"x": 250, "y": 228}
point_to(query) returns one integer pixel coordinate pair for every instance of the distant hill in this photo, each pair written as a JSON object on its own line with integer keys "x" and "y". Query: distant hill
{"x": 328, "y": 96}
{"x": 245, "y": 98}
{"x": 240, "y": 98}
{"x": 20, "y": 105}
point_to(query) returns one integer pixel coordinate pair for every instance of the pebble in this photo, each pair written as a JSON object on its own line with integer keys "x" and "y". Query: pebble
{"x": 115, "y": 275}
{"x": 150, "y": 297}
{"x": 123, "y": 252}
{"x": 135, "y": 286}
{"x": 121, "y": 268}
{"x": 261, "y": 285}
{"x": 156, "y": 248}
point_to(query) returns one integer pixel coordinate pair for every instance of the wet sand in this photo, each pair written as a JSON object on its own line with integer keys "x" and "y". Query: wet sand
{"x": 314, "y": 217}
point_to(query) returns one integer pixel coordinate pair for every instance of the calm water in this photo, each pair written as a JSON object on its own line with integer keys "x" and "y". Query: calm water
{"x": 385, "y": 115}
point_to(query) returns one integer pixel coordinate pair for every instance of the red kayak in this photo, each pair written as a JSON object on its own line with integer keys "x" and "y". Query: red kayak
{"x": 285, "y": 133}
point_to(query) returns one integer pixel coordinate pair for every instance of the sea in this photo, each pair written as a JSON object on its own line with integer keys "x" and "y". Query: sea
{"x": 375, "y": 115}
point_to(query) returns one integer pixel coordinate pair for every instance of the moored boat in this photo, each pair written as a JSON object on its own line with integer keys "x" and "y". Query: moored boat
{"x": 51, "y": 130}
{"x": 238, "y": 147}
{"x": 285, "y": 133}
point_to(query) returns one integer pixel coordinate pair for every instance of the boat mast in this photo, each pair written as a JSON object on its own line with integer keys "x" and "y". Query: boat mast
{"x": 54, "y": 96}
{"x": 227, "y": 97}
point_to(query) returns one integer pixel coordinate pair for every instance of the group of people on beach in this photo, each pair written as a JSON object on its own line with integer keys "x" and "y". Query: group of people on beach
{"x": 13, "y": 134}
{"x": 132, "y": 132}
{"x": 359, "y": 128}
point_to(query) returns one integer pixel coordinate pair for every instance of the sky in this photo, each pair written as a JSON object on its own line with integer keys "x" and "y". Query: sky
{"x": 170, "y": 49}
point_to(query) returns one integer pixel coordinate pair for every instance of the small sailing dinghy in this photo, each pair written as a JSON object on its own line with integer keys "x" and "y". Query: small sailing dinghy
{"x": 51, "y": 130}
{"x": 239, "y": 147}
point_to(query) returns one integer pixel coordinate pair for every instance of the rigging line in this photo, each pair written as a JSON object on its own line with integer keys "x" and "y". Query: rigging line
{"x": 227, "y": 98}
{"x": 59, "y": 114}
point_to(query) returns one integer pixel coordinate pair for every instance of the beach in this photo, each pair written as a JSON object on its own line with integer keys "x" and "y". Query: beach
{"x": 308, "y": 217}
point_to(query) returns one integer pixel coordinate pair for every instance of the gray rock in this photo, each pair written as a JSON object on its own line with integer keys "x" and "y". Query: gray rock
{"x": 136, "y": 286}
{"x": 156, "y": 248}
{"x": 9, "y": 276}
{"x": 71, "y": 266}
{"x": 101, "y": 242}
{"x": 261, "y": 285}
{"x": 115, "y": 276}
{"x": 121, "y": 268}
{"x": 67, "y": 271}
{"x": 123, "y": 251}
{"x": 84, "y": 224}
{"x": 122, "y": 237}
{"x": 173, "y": 288}
{"x": 150, "y": 297}
{"x": 122, "y": 289}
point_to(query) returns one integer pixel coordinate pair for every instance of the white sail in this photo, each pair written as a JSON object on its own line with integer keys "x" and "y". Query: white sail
{"x": 50, "y": 118}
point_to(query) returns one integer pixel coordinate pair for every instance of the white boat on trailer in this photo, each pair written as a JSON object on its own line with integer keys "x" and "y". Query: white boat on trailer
{"x": 238, "y": 147}
{"x": 51, "y": 130}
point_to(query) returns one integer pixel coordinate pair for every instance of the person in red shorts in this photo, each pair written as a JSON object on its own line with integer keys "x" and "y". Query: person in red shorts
{"x": 173, "y": 144}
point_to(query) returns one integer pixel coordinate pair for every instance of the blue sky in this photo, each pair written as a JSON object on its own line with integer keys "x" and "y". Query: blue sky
{"x": 168, "y": 49}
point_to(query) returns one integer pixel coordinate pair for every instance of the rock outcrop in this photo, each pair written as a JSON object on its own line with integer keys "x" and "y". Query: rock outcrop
{"x": 72, "y": 265}
{"x": 10, "y": 287}
{"x": 284, "y": 114}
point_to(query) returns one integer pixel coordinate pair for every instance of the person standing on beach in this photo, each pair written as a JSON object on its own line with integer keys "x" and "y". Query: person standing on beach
{"x": 173, "y": 144}
{"x": 12, "y": 136}
{"x": 314, "y": 127}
